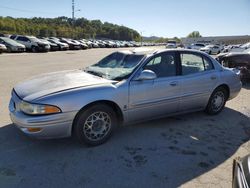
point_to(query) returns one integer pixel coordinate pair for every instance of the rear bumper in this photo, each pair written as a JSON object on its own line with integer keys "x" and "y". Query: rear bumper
{"x": 235, "y": 90}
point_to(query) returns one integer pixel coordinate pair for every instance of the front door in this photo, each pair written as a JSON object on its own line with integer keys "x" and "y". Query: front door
{"x": 149, "y": 99}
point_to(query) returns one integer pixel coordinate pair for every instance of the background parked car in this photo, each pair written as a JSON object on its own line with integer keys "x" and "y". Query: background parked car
{"x": 53, "y": 46}
{"x": 11, "y": 45}
{"x": 72, "y": 45}
{"x": 83, "y": 45}
{"x": 61, "y": 45}
{"x": 2, "y": 48}
{"x": 171, "y": 44}
{"x": 211, "y": 49}
{"x": 197, "y": 46}
{"x": 32, "y": 43}
{"x": 240, "y": 60}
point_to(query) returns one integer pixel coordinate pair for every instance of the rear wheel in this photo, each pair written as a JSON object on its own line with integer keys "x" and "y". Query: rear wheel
{"x": 217, "y": 101}
{"x": 95, "y": 125}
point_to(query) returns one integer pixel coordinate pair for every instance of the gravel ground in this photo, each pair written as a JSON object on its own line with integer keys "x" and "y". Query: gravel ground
{"x": 193, "y": 150}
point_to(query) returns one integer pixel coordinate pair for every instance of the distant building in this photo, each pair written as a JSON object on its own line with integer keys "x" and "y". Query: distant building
{"x": 217, "y": 40}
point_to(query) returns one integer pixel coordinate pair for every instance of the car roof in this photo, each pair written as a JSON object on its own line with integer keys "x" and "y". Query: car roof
{"x": 152, "y": 51}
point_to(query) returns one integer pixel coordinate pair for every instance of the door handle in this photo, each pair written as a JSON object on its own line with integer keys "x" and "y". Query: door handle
{"x": 213, "y": 77}
{"x": 173, "y": 84}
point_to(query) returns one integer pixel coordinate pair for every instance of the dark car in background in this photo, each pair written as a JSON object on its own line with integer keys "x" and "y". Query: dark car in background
{"x": 11, "y": 45}
{"x": 53, "y": 46}
{"x": 240, "y": 60}
{"x": 72, "y": 45}
{"x": 61, "y": 45}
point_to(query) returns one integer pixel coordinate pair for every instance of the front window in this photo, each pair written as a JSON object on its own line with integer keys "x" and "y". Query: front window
{"x": 162, "y": 65}
{"x": 116, "y": 66}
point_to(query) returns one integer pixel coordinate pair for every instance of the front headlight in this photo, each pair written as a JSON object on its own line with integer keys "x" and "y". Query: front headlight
{"x": 38, "y": 109}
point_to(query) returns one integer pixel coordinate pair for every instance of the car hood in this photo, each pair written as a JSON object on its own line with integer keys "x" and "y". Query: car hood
{"x": 55, "y": 82}
{"x": 205, "y": 48}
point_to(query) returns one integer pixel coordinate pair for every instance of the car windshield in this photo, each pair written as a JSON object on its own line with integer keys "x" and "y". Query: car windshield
{"x": 172, "y": 42}
{"x": 9, "y": 41}
{"x": 33, "y": 39}
{"x": 117, "y": 66}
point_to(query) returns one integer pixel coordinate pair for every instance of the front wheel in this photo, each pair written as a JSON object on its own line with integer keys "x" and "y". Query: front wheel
{"x": 95, "y": 125}
{"x": 34, "y": 49}
{"x": 217, "y": 101}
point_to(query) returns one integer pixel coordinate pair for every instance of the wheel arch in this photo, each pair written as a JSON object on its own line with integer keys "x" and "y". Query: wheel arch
{"x": 109, "y": 103}
{"x": 226, "y": 87}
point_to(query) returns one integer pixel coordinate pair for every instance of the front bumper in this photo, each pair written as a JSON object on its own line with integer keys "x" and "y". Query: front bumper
{"x": 50, "y": 126}
{"x": 42, "y": 48}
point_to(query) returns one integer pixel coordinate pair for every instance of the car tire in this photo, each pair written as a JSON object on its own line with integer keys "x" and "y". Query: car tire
{"x": 9, "y": 49}
{"x": 94, "y": 126}
{"x": 34, "y": 49}
{"x": 217, "y": 101}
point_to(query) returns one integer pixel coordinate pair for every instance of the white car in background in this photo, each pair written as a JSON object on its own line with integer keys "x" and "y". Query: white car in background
{"x": 211, "y": 49}
{"x": 237, "y": 48}
{"x": 171, "y": 44}
{"x": 2, "y": 48}
{"x": 32, "y": 43}
{"x": 197, "y": 46}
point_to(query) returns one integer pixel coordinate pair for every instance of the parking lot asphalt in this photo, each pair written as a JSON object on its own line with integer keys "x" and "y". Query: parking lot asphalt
{"x": 192, "y": 150}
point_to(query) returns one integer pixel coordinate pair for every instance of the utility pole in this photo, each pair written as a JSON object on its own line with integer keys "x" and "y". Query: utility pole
{"x": 141, "y": 38}
{"x": 73, "y": 10}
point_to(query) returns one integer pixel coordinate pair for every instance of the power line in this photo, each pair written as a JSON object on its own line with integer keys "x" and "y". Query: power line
{"x": 30, "y": 11}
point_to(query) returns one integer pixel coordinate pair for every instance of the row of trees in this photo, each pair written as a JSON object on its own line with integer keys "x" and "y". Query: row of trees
{"x": 66, "y": 27}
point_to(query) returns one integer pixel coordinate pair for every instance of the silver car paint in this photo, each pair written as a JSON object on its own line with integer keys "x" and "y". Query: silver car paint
{"x": 137, "y": 100}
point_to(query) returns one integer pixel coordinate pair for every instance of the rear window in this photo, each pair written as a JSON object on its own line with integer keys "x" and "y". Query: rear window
{"x": 193, "y": 63}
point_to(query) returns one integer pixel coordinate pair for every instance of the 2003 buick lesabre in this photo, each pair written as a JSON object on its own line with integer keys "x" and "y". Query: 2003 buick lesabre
{"x": 122, "y": 88}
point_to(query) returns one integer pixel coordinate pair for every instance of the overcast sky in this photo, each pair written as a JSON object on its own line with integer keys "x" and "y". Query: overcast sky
{"x": 167, "y": 18}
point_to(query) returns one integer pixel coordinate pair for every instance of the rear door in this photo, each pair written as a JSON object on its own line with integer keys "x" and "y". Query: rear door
{"x": 161, "y": 96}
{"x": 198, "y": 80}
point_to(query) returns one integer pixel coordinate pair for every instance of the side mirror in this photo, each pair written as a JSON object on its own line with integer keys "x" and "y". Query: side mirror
{"x": 146, "y": 75}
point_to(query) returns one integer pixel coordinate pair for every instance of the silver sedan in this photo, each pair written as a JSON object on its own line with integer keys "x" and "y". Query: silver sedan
{"x": 123, "y": 88}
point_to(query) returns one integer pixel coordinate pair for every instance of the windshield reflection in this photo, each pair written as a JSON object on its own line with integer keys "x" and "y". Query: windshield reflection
{"x": 116, "y": 66}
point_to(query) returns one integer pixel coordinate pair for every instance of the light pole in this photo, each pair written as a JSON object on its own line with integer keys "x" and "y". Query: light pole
{"x": 141, "y": 37}
{"x": 73, "y": 10}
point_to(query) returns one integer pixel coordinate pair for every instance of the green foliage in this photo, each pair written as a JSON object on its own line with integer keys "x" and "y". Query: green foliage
{"x": 194, "y": 34}
{"x": 66, "y": 27}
